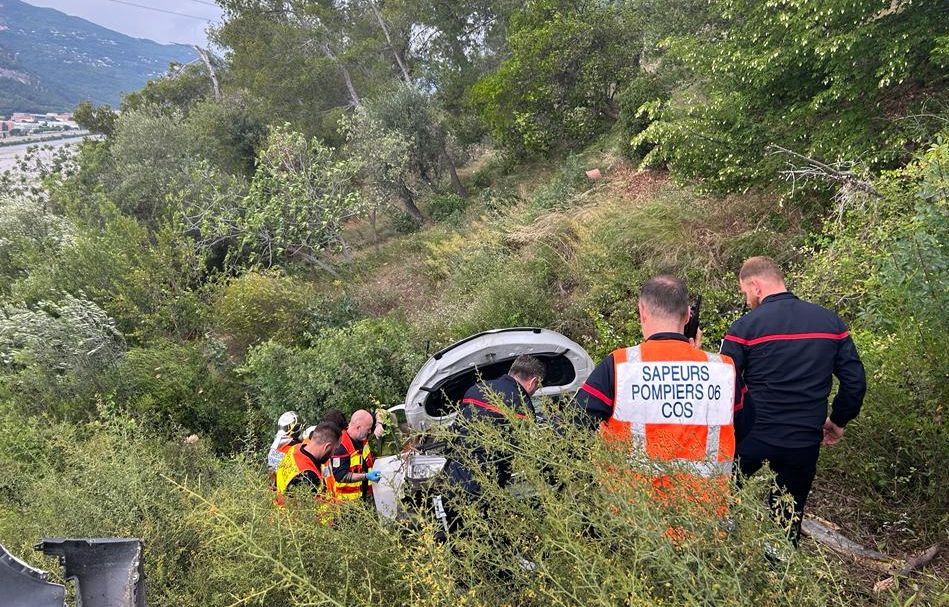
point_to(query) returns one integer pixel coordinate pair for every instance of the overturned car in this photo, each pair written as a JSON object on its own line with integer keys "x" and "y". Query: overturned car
{"x": 434, "y": 396}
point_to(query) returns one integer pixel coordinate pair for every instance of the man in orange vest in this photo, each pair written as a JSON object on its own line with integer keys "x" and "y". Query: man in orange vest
{"x": 288, "y": 434}
{"x": 303, "y": 464}
{"x": 352, "y": 460}
{"x": 667, "y": 400}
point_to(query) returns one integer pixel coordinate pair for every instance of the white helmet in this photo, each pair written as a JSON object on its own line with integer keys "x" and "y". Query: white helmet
{"x": 288, "y": 422}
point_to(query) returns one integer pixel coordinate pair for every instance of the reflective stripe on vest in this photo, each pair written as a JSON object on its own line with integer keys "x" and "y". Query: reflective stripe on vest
{"x": 360, "y": 461}
{"x": 676, "y": 406}
{"x": 293, "y": 464}
{"x": 487, "y": 407}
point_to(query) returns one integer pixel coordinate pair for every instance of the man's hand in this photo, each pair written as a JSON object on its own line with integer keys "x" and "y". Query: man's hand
{"x": 832, "y": 433}
{"x": 379, "y": 430}
{"x": 373, "y": 476}
{"x": 696, "y": 342}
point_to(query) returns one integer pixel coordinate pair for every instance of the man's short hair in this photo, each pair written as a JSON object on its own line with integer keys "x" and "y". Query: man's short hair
{"x": 526, "y": 366}
{"x": 325, "y": 432}
{"x": 761, "y": 267}
{"x": 665, "y": 295}
{"x": 335, "y": 417}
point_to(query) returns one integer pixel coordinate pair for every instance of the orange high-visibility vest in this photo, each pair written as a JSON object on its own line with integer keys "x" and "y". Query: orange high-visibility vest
{"x": 360, "y": 461}
{"x": 292, "y": 465}
{"x": 675, "y": 403}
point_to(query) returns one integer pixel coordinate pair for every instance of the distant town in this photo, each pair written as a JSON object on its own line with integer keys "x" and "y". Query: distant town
{"x": 23, "y": 124}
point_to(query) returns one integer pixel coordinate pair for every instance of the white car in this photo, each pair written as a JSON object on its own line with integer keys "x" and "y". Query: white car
{"x": 434, "y": 395}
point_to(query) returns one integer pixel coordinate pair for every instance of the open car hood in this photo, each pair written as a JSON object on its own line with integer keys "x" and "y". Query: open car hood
{"x": 439, "y": 386}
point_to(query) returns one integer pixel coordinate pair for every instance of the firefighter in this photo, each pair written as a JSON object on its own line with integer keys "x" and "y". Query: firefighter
{"x": 288, "y": 434}
{"x": 513, "y": 392}
{"x": 304, "y": 464}
{"x": 335, "y": 417}
{"x": 787, "y": 351}
{"x": 353, "y": 459}
{"x": 667, "y": 400}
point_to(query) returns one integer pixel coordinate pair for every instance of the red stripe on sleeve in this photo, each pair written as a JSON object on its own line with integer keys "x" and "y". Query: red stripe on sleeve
{"x": 741, "y": 399}
{"x": 597, "y": 394}
{"x": 492, "y": 408}
{"x": 786, "y": 337}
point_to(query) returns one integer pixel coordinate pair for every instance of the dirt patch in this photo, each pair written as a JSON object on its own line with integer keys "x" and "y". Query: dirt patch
{"x": 395, "y": 285}
{"x": 629, "y": 182}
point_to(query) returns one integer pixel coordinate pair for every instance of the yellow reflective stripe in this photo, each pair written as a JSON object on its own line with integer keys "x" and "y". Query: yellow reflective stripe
{"x": 286, "y": 470}
{"x": 353, "y": 491}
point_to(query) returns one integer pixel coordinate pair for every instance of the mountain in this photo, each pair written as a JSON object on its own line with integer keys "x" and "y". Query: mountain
{"x": 50, "y": 61}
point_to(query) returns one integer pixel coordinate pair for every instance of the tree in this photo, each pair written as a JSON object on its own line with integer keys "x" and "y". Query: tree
{"x": 299, "y": 199}
{"x": 97, "y": 119}
{"x": 383, "y": 157}
{"x": 228, "y": 133}
{"x": 179, "y": 88}
{"x": 151, "y": 155}
{"x": 558, "y": 86}
{"x": 415, "y": 115}
{"x": 304, "y": 60}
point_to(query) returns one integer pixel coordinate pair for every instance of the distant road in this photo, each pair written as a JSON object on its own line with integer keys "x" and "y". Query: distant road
{"x": 9, "y": 153}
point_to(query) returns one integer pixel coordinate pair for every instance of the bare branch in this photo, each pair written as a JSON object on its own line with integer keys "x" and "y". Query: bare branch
{"x": 815, "y": 169}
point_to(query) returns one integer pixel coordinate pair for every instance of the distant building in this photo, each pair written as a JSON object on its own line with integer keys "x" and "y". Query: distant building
{"x": 22, "y": 117}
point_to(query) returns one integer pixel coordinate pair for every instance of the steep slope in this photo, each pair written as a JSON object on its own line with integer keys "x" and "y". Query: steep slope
{"x": 51, "y": 61}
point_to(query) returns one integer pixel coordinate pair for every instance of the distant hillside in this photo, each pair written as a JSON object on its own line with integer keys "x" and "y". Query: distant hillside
{"x": 50, "y": 61}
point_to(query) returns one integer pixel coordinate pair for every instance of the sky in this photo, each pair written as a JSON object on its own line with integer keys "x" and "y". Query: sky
{"x": 121, "y": 16}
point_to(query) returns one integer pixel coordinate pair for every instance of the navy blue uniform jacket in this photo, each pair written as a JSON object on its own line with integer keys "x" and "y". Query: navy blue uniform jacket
{"x": 787, "y": 351}
{"x": 477, "y": 403}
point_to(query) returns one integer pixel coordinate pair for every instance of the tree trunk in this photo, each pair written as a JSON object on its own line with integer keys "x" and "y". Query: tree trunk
{"x": 344, "y": 72}
{"x": 205, "y": 57}
{"x": 395, "y": 53}
{"x": 409, "y": 202}
{"x": 453, "y": 173}
{"x": 347, "y": 254}
{"x": 318, "y": 263}
{"x": 375, "y": 232}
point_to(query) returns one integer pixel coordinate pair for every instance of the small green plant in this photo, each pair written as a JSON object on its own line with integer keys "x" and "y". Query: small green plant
{"x": 447, "y": 207}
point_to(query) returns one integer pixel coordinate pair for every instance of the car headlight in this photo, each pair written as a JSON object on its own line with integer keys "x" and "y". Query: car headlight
{"x": 424, "y": 471}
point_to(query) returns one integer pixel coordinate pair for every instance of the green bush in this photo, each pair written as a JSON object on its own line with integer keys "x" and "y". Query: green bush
{"x": 498, "y": 198}
{"x": 29, "y": 236}
{"x": 183, "y": 388}
{"x": 257, "y": 306}
{"x": 447, "y": 207}
{"x": 147, "y": 281}
{"x": 641, "y": 90}
{"x": 53, "y": 355}
{"x": 363, "y": 365}
{"x": 402, "y": 222}
{"x": 106, "y": 479}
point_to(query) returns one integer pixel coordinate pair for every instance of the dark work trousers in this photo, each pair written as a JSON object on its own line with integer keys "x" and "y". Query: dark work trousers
{"x": 794, "y": 470}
